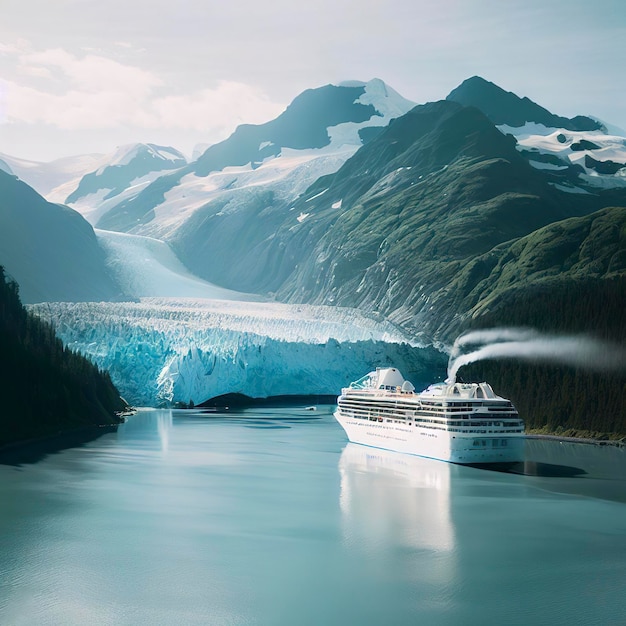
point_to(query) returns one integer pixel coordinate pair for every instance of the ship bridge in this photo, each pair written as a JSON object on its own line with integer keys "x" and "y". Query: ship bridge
{"x": 478, "y": 391}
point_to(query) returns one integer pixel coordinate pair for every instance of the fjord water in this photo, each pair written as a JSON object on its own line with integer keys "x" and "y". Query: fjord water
{"x": 269, "y": 517}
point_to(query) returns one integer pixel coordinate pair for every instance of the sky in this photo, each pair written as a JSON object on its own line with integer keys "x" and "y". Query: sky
{"x": 85, "y": 76}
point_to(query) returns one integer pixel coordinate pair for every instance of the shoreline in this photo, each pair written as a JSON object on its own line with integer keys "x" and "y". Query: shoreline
{"x": 617, "y": 443}
{"x": 35, "y": 449}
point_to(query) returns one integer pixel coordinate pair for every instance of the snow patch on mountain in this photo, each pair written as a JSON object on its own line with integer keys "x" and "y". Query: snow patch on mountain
{"x": 127, "y": 153}
{"x": 48, "y": 178}
{"x": 119, "y": 173}
{"x": 601, "y": 156}
{"x": 287, "y": 175}
{"x": 317, "y": 195}
{"x": 529, "y": 129}
{"x": 387, "y": 101}
{"x": 93, "y": 206}
{"x": 286, "y": 172}
{"x": 163, "y": 350}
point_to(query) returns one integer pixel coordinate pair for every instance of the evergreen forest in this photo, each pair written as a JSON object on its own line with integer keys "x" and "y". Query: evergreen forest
{"x": 46, "y": 388}
{"x": 557, "y": 398}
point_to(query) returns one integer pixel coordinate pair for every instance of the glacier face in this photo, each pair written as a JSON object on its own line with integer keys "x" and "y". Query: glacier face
{"x": 164, "y": 350}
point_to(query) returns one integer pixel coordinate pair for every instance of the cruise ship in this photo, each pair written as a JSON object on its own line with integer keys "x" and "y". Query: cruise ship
{"x": 457, "y": 422}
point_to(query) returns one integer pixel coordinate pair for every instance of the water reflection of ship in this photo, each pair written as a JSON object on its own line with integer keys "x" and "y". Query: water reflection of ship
{"x": 393, "y": 499}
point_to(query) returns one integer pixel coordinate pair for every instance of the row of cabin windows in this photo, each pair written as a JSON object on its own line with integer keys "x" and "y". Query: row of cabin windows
{"x": 410, "y": 406}
{"x": 377, "y": 416}
{"x": 483, "y": 431}
{"x": 423, "y": 419}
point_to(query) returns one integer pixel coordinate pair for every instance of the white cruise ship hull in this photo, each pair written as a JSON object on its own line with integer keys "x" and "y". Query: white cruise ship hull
{"x": 440, "y": 444}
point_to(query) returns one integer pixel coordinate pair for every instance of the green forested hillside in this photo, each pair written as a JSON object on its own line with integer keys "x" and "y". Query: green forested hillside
{"x": 579, "y": 401}
{"x": 408, "y": 227}
{"x": 568, "y": 278}
{"x": 46, "y": 388}
{"x": 558, "y": 399}
{"x": 425, "y": 204}
{"x": 577, "y": 258}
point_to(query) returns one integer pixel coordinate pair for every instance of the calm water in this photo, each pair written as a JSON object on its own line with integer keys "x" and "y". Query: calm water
{"x": 268, "y": 517}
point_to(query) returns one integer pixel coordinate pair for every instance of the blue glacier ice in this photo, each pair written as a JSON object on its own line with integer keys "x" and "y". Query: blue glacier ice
{"x": 164, "y": 350}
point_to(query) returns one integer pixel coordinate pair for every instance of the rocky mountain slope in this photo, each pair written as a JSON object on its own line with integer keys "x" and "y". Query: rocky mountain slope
{"x": 505, "y": 107}
{"x": 576, "y": 155}
{"x": 317, "y": 132}
{"x": 128, "y": 164}
{"x": 397, "y": 223}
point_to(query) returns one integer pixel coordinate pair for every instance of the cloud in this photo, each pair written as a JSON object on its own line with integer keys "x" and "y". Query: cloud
{"x": 70, "y": 92}
{"x": 209, "y": 109}
{"x": 93, "y": 73}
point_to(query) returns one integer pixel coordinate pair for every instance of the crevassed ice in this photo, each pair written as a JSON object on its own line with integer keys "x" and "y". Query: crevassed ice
{"x": 162, "y": 350}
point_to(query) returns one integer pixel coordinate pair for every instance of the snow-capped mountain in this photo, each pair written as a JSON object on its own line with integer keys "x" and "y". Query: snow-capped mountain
{"x": 579, "y": 154}
{"x": 165, "y": 350}
{"x": 131, "y": 167}
{"x": 317, "y": 132}
{"x": 285, "y": 208}
{"x": 56, "y": 179}
{"x": 330, "y": 116}
{"x": 433, "y": 200}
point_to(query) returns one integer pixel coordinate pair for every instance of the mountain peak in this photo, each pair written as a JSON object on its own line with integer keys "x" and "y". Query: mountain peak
{"x": 317, "y": 118}
{"x": 350, "y": 83}
{"x": 505, "y": 107}
{"x": 127, "y": 152}
{"x": 129, "y": 163}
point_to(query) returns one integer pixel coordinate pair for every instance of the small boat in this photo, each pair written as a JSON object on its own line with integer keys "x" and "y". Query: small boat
{"x": 464, "y": 423}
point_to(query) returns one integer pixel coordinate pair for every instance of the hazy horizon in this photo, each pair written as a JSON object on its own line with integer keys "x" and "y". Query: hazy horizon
{"x": 86, "y": 77}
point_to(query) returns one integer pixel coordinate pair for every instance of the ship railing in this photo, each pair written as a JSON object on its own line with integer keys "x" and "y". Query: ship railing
{"x": 372, "y": 391}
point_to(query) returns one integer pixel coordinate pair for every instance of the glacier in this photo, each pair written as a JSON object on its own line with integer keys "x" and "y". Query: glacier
{"x": 185, "y": 339}
{"x": 160, "y": 351}
{"x": 144, "y": 266}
